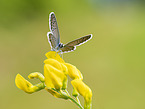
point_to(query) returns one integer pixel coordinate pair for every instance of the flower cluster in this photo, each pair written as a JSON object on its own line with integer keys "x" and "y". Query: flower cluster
{"x": 55, "y": 80}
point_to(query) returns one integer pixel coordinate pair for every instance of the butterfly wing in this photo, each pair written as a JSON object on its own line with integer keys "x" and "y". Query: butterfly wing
{"x": 71, "y": 46}
{"x": 54, "y": 28}
{"x": 79, "y": 41}
{"x": 66, "y": 48}
{"x": 51, "y": 40}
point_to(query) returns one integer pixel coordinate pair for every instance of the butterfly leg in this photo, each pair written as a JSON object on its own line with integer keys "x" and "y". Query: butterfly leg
{"x": 61, "y": 55}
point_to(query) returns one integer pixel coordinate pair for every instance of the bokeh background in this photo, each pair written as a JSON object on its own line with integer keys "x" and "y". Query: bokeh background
{"x": 113, "y": 62}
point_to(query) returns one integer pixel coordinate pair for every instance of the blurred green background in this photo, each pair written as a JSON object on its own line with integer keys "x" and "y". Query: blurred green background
{"x": 113, "y": 62}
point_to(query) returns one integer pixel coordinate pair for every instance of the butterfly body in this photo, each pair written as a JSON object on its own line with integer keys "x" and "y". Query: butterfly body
{"x": 54, "y": 38}
{"x": 58, "y": 48}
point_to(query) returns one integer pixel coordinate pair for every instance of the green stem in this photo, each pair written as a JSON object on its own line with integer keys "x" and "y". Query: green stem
{"x": 77, "y": 103}
{"x": 77, "y": 99}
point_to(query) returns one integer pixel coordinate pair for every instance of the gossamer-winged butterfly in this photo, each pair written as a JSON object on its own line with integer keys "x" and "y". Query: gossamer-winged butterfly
{"x": 54, "y": 38}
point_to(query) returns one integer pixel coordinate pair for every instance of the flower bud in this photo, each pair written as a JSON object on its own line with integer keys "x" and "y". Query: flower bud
{"x": 36, "y": 75}
{"x": 75, "y": 92}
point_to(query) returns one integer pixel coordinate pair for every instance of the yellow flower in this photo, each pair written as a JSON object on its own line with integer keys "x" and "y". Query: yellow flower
{"x": 83, "y": 90}
{"x": 24, "y": 85}
{"x": 55, "y": 80}
{"x": 56, "y": 70}
{"x": 53, "y": 77}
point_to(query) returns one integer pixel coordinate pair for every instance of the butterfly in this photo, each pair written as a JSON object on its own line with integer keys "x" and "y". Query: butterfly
{"x": 54, "y": 38}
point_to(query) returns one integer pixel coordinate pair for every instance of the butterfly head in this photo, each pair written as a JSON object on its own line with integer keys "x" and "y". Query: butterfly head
{"x": 60, "y": 45}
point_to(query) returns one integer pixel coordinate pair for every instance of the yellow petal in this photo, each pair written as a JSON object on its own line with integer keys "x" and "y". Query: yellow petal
{"x": 47, "y": 75}
{"x": 24, "y": 85}
{"x": 54, "y": 55}
{"x": 54, "y": 63}
{"x": 83, "y": 89}
{"x": 53, "y": 77}
{"x": 73, "y": 72}
{"x": 64, "y": 68}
